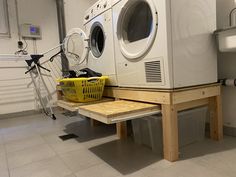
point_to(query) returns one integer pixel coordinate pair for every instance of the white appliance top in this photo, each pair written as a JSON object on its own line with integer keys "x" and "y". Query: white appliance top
{"x": 97, "y": 9}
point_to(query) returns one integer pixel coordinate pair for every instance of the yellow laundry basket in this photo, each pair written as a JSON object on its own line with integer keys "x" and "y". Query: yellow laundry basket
{"x": 83, "y": 89}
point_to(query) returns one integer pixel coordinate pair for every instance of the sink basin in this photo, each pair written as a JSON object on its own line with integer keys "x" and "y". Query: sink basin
{"x": 226, "y": 39}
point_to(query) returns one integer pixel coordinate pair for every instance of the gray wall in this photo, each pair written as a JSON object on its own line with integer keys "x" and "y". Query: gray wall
{"x": 227, "y": 65}
{"x": 15, "y": 95}
{"x": 74, "y": 12}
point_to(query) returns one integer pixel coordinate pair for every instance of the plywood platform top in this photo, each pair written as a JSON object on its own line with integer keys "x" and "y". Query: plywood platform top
{"x": 118, "y": 108}
{"x": 73, "y": 106}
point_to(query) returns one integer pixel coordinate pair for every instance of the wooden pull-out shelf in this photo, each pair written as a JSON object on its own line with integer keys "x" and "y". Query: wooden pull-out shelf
{"x": 74, "y": 107}
{"x": 118, "y": 111}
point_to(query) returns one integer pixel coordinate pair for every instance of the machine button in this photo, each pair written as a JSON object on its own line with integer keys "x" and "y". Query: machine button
{"x": 105, "y": 4}
{"x": 87, "y": 17}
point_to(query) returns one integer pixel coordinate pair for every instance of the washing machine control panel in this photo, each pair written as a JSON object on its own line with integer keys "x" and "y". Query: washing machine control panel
{"x": 98, "y": 8}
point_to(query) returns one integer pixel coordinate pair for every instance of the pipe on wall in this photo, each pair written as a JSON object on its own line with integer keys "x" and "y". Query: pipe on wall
{"x": 62, "y": 34}
{"x": 228, "y": 82}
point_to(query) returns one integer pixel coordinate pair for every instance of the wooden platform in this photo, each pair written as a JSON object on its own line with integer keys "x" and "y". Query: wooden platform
{"x": 118, "y": 111}
{"x": 74, "y": 107}
{"x": 169, "y": 101}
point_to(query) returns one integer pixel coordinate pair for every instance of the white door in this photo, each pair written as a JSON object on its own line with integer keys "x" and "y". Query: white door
{"x": 76, "y": 47}
{"x": 136, "y": 28}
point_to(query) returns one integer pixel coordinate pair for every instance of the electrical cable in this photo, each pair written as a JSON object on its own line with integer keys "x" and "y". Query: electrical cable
{"x": 26, "y": 46}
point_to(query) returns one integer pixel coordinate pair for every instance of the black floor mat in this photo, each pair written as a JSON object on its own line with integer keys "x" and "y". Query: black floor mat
{"x": 68, "y": 137}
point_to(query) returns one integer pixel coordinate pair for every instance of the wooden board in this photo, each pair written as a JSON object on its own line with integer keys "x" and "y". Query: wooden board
{"x": 118, "y": 111}
{"x": 158, "y": 96}
{"x": 72, "y": 106}
{"x": 195, "y": 94}
{"x": 150, "y": 96}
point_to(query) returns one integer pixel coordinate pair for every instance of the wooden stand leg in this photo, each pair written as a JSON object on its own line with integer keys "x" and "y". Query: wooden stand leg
{"x": 216, "y": 122}
{"x": 121, "y": 130}
{"x": 170, "y": 132}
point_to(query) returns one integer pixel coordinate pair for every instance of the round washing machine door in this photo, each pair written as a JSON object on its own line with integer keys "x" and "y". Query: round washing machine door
{"x": 76, "y": 47}
{"x": 137, "y": 28}
{"x": 97, "y": 40}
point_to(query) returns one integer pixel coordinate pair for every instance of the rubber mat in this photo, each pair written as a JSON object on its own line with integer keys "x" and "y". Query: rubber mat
{"x": 68, "y": 137}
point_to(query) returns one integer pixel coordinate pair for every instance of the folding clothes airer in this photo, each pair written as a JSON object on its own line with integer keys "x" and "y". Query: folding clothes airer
{"x": 34, "y": 65}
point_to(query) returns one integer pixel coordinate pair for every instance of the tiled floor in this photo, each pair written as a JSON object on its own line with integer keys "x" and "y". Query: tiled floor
{"x": 30, "y": 147}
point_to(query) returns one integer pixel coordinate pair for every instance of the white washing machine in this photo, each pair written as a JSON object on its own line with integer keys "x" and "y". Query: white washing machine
{"x": 93, "y": 47}
{"x": 98, "y": 26}
{"x": 165, "y": 43}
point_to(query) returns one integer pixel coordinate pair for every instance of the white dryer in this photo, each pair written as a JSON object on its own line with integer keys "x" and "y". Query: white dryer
{"x": 98, "y": 26}
{"x": 165, "y": 43}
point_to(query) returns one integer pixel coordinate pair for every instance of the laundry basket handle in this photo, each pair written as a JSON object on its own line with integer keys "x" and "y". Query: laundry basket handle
{"x": 93, "y": 79}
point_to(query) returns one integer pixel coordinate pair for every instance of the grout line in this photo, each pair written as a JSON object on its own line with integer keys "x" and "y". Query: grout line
{"x": 6, "y": 156}
{"x": 44, "y": 142}
{"x": 57, "y": 155}
{"x": 54, "y": 155}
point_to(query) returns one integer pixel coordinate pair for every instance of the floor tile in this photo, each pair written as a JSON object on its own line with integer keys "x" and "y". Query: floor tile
{"x": 103, "y": 170}
{"x": 134, "y": 174}
{"x": 29, "y": 155}
{"x": 2, "y": 149}
{"x": 125, "y": 156}
{"x": 24, "y": 143}
{"x": 17, "y": 133}
{"x": 1, "y": 137}
{"x": 184, "y": 169}
{"x": 80, "y": 160}
{"x": 3, "y": 162}
{"x": 99, "y": 141}
{"x": 72, "y": 175}
{"x": 47, "y": 127}
{"x": 217, "y": 162}
{"x": 35, "y": 150}
{"x": 4, "y": 173}
{"x": 3, "y": 166}
{"x": 66, "y": 146}
{"x": 52, "y": 167}
{"x": 60, "y": 146}
{"x": 53, "y": 137}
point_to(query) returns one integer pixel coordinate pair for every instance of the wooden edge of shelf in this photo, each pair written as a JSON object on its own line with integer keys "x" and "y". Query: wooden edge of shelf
{"x": 69, "y": 108}
{"x": 138, "y": 95}
{"x": 196, "y": 94}
{"x": 192, "y": 104}
{"x": 120, "y": 118}
{"x": 164, "y": 96}
{"x": 72, "y": 106}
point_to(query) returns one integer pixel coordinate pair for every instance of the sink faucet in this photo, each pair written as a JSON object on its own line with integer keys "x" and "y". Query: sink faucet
{"x": 232, "y": 12}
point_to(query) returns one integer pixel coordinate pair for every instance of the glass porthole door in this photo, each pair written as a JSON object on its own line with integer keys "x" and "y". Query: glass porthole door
{"x": 97, "y": 40}
{"x": 137, "y": 28}
{"x": 76, "y": 47}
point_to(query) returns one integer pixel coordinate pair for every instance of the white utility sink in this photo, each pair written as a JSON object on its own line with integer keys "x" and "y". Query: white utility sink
{"x": 226, "y": 39}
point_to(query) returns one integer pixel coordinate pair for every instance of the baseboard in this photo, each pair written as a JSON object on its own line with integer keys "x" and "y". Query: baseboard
{"x": 19, "y": 114}
{"x": 230, "y": 131}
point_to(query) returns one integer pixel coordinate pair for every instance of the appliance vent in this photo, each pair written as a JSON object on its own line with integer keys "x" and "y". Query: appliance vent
{"x": 153, "y": 71}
